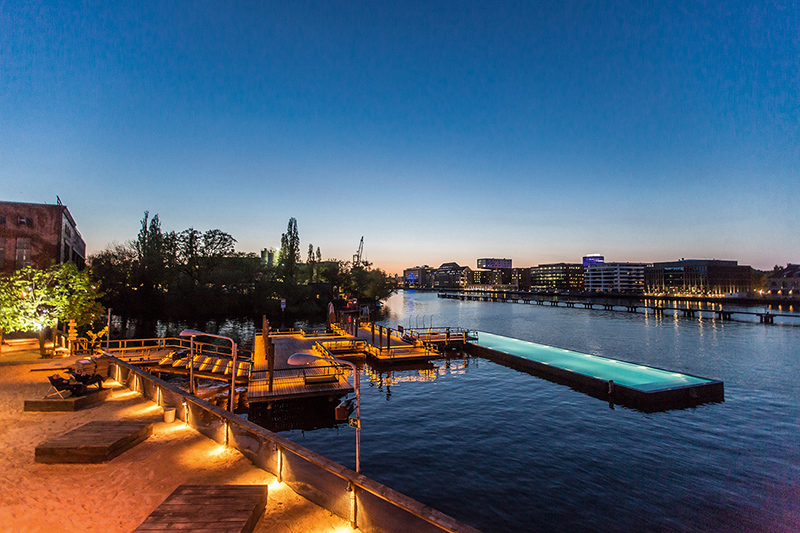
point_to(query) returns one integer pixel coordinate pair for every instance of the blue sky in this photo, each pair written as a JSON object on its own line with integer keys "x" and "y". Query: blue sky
{"x": 440, "y": 131}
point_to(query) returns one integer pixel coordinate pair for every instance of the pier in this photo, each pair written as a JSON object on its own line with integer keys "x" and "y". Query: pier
{"x": 765, "y": 317}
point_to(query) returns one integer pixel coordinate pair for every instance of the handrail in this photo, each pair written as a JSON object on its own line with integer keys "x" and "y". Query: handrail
{"x": 123, "y": 345}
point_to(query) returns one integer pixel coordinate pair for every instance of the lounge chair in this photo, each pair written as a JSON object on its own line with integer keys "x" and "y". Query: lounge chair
{"x": 60, "y": 386}
{"x": 207, "y": 364}
{"x": 86, "y": 379}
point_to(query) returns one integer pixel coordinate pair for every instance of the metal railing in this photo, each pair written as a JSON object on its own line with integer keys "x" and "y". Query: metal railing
{"x": 179, "y": 343}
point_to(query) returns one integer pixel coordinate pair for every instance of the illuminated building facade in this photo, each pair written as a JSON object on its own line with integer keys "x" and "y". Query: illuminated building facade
{"x": 615, "y": 277}
{"x": 493, "y": 264}
{"x": 452, "y": 276}
{"x": 557, "y": 277}
{"x": 38, "y": 235}
{"x": 419, "y": 277}
{"x": 785, "y": 281}
{"x": 698, "y": 277}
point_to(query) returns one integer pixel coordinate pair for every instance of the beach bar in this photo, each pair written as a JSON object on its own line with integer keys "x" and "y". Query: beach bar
{"x": 619, "y": 382}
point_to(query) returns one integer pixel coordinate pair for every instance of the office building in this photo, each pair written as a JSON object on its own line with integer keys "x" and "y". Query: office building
{"x": 614, "y": 277}
{"x": 706, "y": 277}
{"x": 557, "y": 277}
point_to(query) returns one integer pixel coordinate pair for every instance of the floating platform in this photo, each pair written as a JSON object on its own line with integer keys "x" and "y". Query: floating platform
{"x": 230, "y": 508}
{"x": 95, "y": 442}
{"x": 628, "y": 384}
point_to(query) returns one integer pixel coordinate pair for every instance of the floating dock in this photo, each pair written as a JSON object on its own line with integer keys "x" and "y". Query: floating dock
{"x": 619, "y": 382}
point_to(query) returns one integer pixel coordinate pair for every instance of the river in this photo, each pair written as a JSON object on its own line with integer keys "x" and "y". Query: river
{"x": 505, "y": 451}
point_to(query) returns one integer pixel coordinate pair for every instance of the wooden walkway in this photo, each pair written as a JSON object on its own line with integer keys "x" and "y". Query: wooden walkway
{"x": 218, "y": 508}
{"x": 296, "y": 382}
{"x": 95, "y": 442}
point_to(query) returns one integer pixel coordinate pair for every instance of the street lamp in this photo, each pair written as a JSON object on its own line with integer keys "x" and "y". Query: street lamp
{"x": 194, "y": 333}
{"x": 301, "y": 359}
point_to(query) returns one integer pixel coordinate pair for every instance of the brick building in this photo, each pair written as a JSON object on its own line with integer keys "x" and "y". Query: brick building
{"x": 38, "y": 235}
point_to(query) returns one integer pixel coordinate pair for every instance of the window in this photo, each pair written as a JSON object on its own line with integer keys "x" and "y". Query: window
{"x": 2, "y": 220}
{"x": 23, "y": 252}
{"x": 25, "y": 221}
{"x": 2, "y": 253}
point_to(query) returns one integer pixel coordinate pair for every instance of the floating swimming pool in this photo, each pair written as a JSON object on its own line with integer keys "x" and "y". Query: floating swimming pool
{"x": 629, "y": 384}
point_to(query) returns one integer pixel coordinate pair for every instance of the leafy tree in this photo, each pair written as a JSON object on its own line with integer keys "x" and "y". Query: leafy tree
{"x": 32, "y": 300}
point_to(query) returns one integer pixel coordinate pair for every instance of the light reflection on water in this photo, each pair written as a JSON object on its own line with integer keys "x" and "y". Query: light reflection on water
{"x": 506, "y": 451}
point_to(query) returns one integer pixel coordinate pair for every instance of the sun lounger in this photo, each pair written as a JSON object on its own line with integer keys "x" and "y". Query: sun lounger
{"x": 207, "y": 364}
{"x": 59, "y": 387}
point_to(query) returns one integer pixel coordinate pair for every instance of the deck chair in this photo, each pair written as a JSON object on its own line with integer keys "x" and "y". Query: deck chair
{"x": 167, "y": 361}
{"x": 207, "y": 364}
{"x": 242, "y": 369}
{"x": 87, "y": 379}
{"x": 180, "y": 363}
{"x": 59, "y": 387}
{"x": 219, "y": 366}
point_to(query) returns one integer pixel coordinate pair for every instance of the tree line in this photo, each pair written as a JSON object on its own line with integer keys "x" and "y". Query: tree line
{"x": 194, "y": 275}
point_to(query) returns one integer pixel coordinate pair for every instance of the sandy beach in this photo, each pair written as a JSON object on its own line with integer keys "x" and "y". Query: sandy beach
{"x": 118, "y": 495}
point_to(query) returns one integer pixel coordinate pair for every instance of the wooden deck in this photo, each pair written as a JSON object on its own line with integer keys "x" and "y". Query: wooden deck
{"x": 70, "y": 403}
{"x": 218, "y": 508}
{"x": 298, "y": 383}
{"x": 95, "y": 442}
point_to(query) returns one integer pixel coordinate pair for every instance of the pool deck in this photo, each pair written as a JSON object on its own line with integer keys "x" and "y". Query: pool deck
{"x": 628, "y": 384}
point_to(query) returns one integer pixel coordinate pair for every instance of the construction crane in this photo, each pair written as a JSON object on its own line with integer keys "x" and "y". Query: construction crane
{"x": 357, "y": 255}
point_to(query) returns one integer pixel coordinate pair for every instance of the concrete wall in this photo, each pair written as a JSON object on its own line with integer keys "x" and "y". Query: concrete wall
{"x": 318, "y": 479}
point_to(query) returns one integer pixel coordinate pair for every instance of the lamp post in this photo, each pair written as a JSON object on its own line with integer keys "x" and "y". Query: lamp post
{"x": 194, "y": 333}
{"x": 108, "y": 331}
{"x": 301, "y": 359}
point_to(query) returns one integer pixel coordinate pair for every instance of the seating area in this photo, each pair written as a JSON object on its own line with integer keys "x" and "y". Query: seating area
{"x": 70, "y": 394}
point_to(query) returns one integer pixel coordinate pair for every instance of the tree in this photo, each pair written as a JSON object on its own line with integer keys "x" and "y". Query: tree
{"x": 32, "y": 300}
{"x": 289, "y": 255}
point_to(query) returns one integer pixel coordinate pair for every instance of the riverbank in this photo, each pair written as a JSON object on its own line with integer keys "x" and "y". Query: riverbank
{"x": 118, "y": 495}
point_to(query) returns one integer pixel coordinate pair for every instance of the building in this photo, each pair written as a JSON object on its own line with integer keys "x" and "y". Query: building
{"x": 698, "y": 277}
{"x": 268, "y": 257}
{"x": 492, "y": 264}
{"x": 38, "y": 235}
{"x": 593, "y": 259}
{"x": 614, "y": 277}
{"x": 557, "y": 277}
{"x": 452, "y": 276}
{"x": 521, "y": 278}
{"x": 419, "y": 277}
{"x": 785, "y": 281}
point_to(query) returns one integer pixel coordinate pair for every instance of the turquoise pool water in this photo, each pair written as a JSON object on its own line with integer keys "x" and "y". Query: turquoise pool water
{"x": 639, "y": 377}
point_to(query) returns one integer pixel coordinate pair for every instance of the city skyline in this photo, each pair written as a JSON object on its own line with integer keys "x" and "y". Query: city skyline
{"x": 438, "y": 132}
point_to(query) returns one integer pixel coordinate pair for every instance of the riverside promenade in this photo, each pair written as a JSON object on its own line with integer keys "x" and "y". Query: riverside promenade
{"x": 120, "y": 494}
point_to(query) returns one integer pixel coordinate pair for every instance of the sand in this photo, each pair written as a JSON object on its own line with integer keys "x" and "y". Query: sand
{"x": 118, "y": 495}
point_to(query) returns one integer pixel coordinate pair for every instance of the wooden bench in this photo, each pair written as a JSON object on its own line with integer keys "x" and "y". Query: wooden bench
{"x": 232, "y": 508}
{"x": 95, "y": 442}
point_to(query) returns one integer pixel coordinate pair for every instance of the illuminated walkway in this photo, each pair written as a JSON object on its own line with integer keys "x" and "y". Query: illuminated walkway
{"x": 117, "y": 496}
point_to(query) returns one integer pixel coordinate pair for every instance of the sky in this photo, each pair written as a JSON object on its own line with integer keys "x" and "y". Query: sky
{"x": 439, "y": 131}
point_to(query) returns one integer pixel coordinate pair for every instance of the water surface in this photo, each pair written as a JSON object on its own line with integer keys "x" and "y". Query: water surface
{"x": 506, "y": 451}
